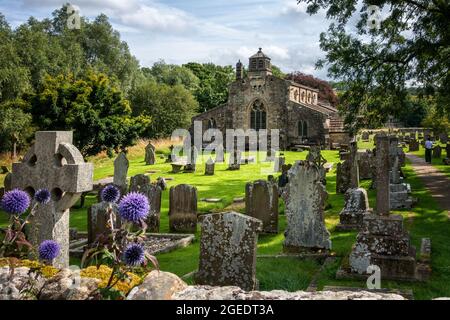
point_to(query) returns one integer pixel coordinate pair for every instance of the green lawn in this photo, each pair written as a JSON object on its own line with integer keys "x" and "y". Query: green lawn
{"x": 425, "y": 220}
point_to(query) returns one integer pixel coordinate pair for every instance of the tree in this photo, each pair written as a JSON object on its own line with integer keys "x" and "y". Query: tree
{"x": 15, "y": 127}
{"x": 412, "y": 45}
{"x": 326, "y": 91}
{"x": 170, "y": 107}
{"x": 276, "y": 71}
{"x": 172, "y": 75}
{"x": 93, "y": 106}
{"x": 213, "y": 86}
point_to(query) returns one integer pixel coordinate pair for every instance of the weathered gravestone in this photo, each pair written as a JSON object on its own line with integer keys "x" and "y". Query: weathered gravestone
{"x": 53, "y": 163}
{"x": 314, "y": 155}
{"x": 383, "y": 240}
{"x": 209, "y": 167}
{"x": 150, "y": 157}
{"x": 399, "y": 195}
{"x": 161, "y": 182}
{"x": 366, "y": 165}
{"x": 413, "y": 145}
{"x": 121, "y": 165}
{"x": 356, "y": 206}
{"x": 192, "y": 160}
{"x": 228, "y": 245}
{"x": 234, "y": 162}
{"x": 183, "y": 208}
{"x": 270, "y": 155}
{"x": 437, "y": 152}
{"x": 99, "y": 220}
{"x": 343, "y": 176}
{"x": 279, "y": 162}
{"x": 305, "y": 198}
{"x": 261, "y": 202}
{"x": 141, "y": 183}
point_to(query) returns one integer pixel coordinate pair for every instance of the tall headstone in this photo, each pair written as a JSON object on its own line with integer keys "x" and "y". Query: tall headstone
{"x": 354, "y": 168}
{"x": 99, "y": 220}
{"x": 356, "y": 206}
{"x": 343, "y": 176}
{"x": 141, "y": 183}
{"x": 279, "y": 163}
{"x": 150, "y": 157}
{"x": 413, "y": 145}
{"x": 228, "y": 245}
{"x": 183, "y": 208}
{"x": 261, "y": 202}
{"x": 121, "y": 165}
{"x": 53, "y": 163}
{"x": 304, "y": 198}
{"x": 383, "y": 240}
{"x": 437, "y": 152}
{"x": 234, "y": 163}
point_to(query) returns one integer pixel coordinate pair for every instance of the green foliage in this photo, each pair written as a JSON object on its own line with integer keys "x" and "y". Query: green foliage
{"x": 214, "y": 81}
{"x": 172, "y": 75}
{"x": 93, "y": 106}
{"x": 276, "y": 71}
{"x": 15, "y": 125}
{"x": 170, "y": 107}
{"x": 412, "y": 45}
{"x": 435, "y": 119}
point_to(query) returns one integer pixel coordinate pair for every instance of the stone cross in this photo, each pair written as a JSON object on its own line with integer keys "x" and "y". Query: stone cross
{"x": 53, "y": 163}
{"x": 304, "y": 198}
{"x": 141, "y": 183}
{"x": 228, "y": 245}
{"x": 261, "y": 202}
{"x": 183, "y": 208}
{"x": 121, "y": 165}
{"x": 382, "y": 156}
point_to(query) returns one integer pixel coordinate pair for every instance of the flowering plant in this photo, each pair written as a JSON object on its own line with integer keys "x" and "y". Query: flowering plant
{"x": 121, "y": 247}
{"x": 13, "y": 240}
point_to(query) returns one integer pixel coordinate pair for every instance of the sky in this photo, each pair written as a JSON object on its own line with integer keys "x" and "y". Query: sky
{"x": 218, "y": 31}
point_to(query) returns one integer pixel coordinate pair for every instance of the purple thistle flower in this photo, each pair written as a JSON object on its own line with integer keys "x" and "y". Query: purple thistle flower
{"x": 110, "y": 193}
{"x": 134, "y": 207}
{"x": 49, "y": 250}
{"x": 42, "y": 196}
{"x": 15, "y": 201}
{"x": 134, "y": 255}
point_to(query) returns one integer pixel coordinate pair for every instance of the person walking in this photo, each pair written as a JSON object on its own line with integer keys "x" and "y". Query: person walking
{"x": 428, "y": 150}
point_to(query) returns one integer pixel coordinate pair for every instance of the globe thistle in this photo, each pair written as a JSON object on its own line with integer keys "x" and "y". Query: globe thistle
{"x": 49, "y": 250}
{"x": 15, "y": 201}
{"x": 134, "y": 207}
{"x": 42, "y": 196}
{"x": 110, "y": 193}
{"x": 134, "y": 255}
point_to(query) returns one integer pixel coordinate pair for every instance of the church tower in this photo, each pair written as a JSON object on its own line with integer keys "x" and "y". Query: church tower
{"x": 239, "y": 70}
{"x": 259, "y": 65}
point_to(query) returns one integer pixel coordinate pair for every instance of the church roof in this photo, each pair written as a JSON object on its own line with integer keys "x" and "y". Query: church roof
{"x": 260, "y": 54}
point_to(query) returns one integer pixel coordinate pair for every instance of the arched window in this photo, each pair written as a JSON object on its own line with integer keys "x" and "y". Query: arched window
{"x": 302, "y": 129}
{"x": 257, "y": 116}
{"x": 260, "y": 64}
{"x": 309, "y": 97}
{"x": 212, "y": 124}
{"x": 303, "y": 96}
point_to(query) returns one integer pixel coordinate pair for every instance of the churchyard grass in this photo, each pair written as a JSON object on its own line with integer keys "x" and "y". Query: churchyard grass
{"x": 424, "y": 220}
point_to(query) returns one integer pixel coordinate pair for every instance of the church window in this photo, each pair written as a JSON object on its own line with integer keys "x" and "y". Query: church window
{"x": 302, "y": 129}
{"x": 257, "y": 116}
{"x": 212, "y": 124}
{"x": 303, "y": 96}
{"x": 253, "y": 64}
{"x": 309, "y": 97}
{"x": 260, "y": 64}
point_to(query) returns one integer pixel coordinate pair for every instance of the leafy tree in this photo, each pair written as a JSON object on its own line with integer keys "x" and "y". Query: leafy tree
{"x": 170, "y": 107}
{"x": 172, "y": 75}
{"x": 15, "y": 127}
{"x": 326, "y": 91}
{"x": 94, "y": 107}
{"x": 411, "y": 45}
{"x": 14, "y": 77}
{"x": 213, "y": 86}
{"x": 276, "y": 71}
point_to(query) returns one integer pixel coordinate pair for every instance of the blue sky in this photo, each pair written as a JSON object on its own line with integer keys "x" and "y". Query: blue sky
{"x": 219, "y": 31}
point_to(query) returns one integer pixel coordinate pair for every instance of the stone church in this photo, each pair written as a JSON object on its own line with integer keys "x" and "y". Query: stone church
{"x": 261, "y": 100}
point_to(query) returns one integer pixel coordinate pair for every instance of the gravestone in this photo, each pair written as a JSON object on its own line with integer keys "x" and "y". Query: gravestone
{"x": 150, "y": 157}
{"x": 141, "y": 183}
{"x": 121, "y": 165}
{"x": 437, "y": 152}
{"x": 413, "y": 145}
{"x": 304, "y": 198}
{"x": 161, "y": 182}
{"x": 443, "y": 137}
{"x": 99, "y": 222}
{"x": 209, "y": 167}
{"x": 354, "y": 168}
{"x": 383, "y": 240}
{"x": 228, "y": 245}
{"x": 270, "y": 155}
{"x": 234, "y": 163}
{"x": 399, "y": 192}
{"x": 53, "y": 163}
{"x": 183, "y": 208}
{"x": 261, "y": 202}
{"x": 356, "y": 206}
{"x": 343, "y": 176}
{"x": 279, "y": 163}
{"x": 366, "y": 165}
{"x": 192, "y": 162}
